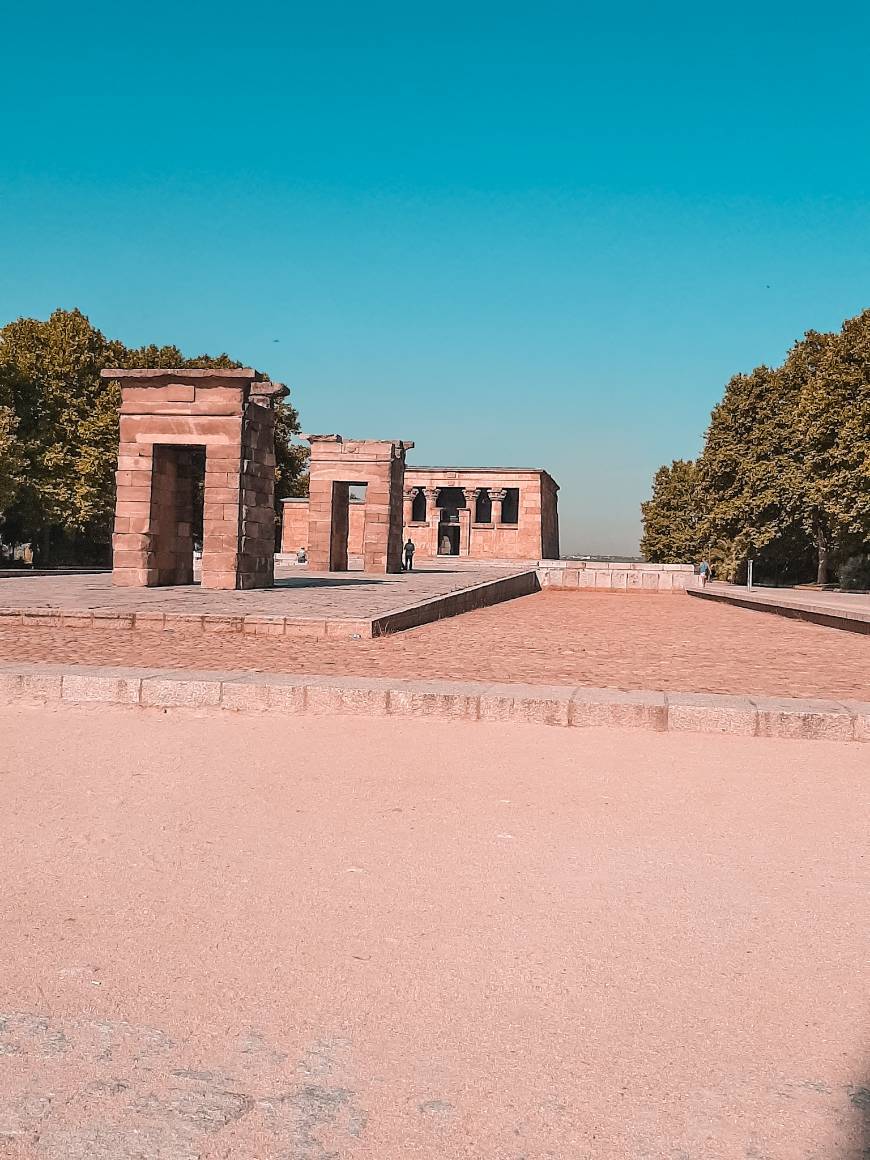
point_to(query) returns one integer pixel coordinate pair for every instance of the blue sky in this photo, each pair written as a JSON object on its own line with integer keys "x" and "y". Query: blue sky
{"x": 532, "y": 235}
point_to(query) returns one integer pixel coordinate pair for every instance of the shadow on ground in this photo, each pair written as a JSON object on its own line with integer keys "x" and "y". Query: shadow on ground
{"x": 860, "y": 1100}
{"x": 321, "y": 582}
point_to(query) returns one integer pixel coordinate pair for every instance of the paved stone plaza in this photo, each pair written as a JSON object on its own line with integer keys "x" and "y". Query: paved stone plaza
{"x": 494, "y": 943}
{"x": 579, "y": 638}
{"x": 297, "y": 592}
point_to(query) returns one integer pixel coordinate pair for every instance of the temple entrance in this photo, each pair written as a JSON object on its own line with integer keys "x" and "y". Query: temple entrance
{"x": 348, "y": 507}
{"x": 196, "y": 461}
{"x": 337, "y": 470}
{"x": 450, "y": 501}
{"x": 177, "y": 489}
{"x": 448, "y": 539}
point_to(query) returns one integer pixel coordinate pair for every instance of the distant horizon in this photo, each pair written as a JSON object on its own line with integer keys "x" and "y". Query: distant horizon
{"x": 512, "y": 237}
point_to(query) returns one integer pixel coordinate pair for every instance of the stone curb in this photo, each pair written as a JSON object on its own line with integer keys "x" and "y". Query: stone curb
{"x": 481, "y": 595}
{"x": 557, "y": 705}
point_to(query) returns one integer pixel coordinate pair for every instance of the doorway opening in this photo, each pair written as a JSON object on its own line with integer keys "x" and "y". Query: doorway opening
{"x": 348, "y": 524}
{"x": 448, "y": 539}
{"x": 177, "y": 499}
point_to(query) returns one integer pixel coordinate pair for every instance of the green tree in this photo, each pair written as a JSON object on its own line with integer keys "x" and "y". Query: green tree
{"x": 59, "y": 427}
{"x": 749, "y": 467}
{"x": 784, "y": 476}
{"x": 291, "y": 471}
{"x": 10, "y": 465}
{"x": 51, "y": 371}
{"x": 673, "y": 516}
{"x": 834, "y": 425}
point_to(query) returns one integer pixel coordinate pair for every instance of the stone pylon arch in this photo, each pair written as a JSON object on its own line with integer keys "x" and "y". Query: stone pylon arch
{"x": 175, "y": 423}
{"x": 336, "y": 465}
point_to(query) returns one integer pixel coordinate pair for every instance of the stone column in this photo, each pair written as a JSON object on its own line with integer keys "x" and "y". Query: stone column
{"x": 471, "y": 494}
{"x": 408, "y": 505}
{"x": 135, "y": 562}
{"x": 466, "y": 519}
{"x": 497, "y": 494}
{"x": 433, "y": 517}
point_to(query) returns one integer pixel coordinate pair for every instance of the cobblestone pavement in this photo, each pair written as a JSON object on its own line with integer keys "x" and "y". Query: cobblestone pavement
{"x": 297, "y": 593}
{"x": 671, "y": 642}
{"x": 261, "y": 939}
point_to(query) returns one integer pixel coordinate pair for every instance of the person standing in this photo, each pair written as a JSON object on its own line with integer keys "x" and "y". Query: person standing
{"x": 409, "y": 554}
{"x": 705, "y": 572}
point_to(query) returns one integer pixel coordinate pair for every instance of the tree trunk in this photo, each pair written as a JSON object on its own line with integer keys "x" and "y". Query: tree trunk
{"x": 822, "y": 551}
{"x": 45, "y": 547}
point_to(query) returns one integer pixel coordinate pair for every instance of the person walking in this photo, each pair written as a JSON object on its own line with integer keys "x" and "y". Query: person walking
{"x": 705, "y": 572}
{"x": 409, "y": 554}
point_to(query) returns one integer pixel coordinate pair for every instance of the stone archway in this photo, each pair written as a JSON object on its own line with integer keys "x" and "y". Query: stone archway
{"x": 170, "y": 419}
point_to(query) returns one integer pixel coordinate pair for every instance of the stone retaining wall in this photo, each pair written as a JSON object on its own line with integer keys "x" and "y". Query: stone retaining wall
{"x": 558, "y": 705}
{"x": 616, "y": 576}
{"x": 454, "y": 603}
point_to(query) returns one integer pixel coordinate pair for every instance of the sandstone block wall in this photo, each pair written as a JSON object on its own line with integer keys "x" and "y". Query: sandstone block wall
{"x": 335, "y": 465}
{"x": 172, "y": 421}
{"x": 610, "y": 576}
{"x": 534, "y": 535}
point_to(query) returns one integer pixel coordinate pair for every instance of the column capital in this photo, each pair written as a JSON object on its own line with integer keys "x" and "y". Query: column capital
{"x": 471, "y": 493}
{"x": 497, "y": 492}
{"x": 411, "y": 492}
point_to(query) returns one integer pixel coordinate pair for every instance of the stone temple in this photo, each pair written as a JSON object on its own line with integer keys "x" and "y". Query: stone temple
{"x": 196, "y": 460}
{"x": 483, "y": 513}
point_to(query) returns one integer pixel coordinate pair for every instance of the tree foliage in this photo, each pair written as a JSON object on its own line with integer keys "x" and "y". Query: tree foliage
{"x": 671, "y": 519}
{"x": 10, "y": 465}
{"x": 784, "y": 476}
{"x": 59, "y": 428}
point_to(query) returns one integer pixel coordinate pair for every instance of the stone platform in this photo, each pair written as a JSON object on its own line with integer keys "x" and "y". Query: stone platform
{"x": 313, "y": 605}
{"x": 843, "y": 610}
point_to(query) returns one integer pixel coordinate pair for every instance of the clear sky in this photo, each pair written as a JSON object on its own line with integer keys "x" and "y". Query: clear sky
{"x": 520, "y": 234}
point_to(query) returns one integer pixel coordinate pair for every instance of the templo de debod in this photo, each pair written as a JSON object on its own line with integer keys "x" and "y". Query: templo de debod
{"x": 197, "y": 447}
{"x": 484, "y": 513}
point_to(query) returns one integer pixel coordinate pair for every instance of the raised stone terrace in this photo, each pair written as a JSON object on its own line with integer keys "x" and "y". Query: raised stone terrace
{"x": 303, "y": 603}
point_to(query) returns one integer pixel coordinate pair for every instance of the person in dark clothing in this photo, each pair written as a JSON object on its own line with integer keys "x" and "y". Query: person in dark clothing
{"x": 409, "y": 555}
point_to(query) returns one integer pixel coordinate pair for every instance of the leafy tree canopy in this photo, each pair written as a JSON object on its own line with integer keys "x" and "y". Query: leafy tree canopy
{"x": 59, "y": 427}
{"x": 672, "y": 517}
{"x": 784, "y": 476}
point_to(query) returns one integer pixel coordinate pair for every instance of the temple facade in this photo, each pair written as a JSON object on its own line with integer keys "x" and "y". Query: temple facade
{"x": 484, "y": 513}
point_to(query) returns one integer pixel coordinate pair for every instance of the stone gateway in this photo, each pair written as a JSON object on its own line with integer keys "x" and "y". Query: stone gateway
{"x": 190, "y": 436}
{"x": 483, "y": 513}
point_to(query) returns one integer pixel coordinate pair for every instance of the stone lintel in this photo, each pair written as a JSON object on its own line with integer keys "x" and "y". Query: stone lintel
{"x": 398, "y": 444}
{"x": 183, "y": 373}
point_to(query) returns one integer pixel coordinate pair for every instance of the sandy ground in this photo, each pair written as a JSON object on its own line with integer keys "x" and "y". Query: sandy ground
{"x": 672, "y": 643}
{"x": 331, "y": 939}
